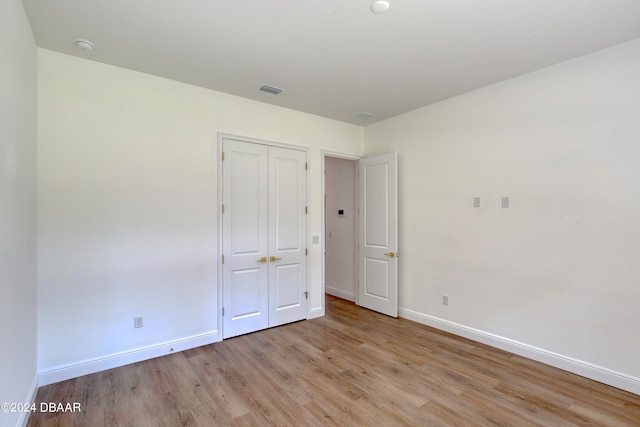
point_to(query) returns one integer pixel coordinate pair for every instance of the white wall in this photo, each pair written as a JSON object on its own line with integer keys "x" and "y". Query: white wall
{"x": 127, "y": 208}
{"x": 18, "y": 115}
{"x": 340, "y": 259}
{"x": 559, "y": 270}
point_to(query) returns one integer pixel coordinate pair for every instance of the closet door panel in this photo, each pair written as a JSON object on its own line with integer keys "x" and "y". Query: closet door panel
{"x": 287, "y": 235}
{"x": 264, "y": 227}
{"x": 245, "y": 238}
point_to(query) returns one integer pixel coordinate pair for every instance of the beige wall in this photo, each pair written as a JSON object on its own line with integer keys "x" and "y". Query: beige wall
{"x": 18, "y": 115}
{"x": 128, "y": 207}
{"x": 557, "y": 271}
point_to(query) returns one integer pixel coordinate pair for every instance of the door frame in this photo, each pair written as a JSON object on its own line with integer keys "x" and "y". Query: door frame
{"x": 355, "y": 158}
{"x": 218, "y": 153}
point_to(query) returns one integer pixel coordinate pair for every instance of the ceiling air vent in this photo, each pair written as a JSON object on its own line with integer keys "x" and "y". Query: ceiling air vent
{"x": 365, "y": 115}
{"x": 271, "y": 89}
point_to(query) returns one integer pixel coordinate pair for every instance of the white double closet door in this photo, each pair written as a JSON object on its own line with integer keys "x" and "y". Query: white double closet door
{"x": 264, "y": 236}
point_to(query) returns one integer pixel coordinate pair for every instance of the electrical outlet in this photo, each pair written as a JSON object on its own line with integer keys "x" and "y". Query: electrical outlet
{"x": 505, "y": 201}
{"x": 137, "y": 322}
{"x": 476, "y": 202}
{"x": 445, "y": 299}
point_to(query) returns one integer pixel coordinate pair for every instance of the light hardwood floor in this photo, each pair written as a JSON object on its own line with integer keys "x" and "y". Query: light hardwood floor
{"x": 352, "y": 367}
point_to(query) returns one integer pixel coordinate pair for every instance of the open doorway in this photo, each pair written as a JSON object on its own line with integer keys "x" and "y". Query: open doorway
{"x": 341, "y": 227}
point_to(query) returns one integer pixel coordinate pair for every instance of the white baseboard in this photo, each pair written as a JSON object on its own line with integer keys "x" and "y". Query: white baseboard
{"x": 585, "y": 369}
{"x": 31, "y": 398}
{"x": 90, "y": 366}
{"x": 349, "y": 296}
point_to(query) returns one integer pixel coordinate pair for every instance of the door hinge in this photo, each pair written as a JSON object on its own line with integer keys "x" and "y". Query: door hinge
{"x": 306, "y": 251}
{"x": 223, "y": 208}
{"x": 306, "y": 210}
{"x": 223, "y": 156}
{"x": 223, "y": 259}
{"x": 222, "y": 311}
{"x": 306, "y": 166}
{"x": 306, "y": 294}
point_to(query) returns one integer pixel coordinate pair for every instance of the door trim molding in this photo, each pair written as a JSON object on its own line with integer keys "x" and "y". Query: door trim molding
{"x": 222, "y": 135}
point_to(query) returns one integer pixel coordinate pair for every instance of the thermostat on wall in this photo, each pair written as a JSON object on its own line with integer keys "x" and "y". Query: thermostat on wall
{"x": 340, "y": 212}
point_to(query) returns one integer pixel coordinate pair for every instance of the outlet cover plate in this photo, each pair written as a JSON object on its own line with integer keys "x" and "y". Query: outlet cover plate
{"x": 138, "y": 322}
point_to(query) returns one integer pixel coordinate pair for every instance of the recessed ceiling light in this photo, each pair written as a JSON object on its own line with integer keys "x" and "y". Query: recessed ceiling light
{"x": 379, "y": 6}
{"x": 85, "y": 45}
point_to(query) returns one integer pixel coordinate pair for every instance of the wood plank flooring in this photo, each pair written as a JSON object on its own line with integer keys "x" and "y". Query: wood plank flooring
{"x": 352, "y": 367}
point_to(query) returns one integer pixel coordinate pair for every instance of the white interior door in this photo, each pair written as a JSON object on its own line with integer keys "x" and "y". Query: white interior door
{"x": 378, "y": 234}
{"x": 264, "y": 228}
{"x": 245, "y": 293}
{"x": 287, "y": 236}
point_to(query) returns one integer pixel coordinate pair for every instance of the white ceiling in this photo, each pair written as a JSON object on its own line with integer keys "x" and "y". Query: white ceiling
{"x": 335, "y": 58}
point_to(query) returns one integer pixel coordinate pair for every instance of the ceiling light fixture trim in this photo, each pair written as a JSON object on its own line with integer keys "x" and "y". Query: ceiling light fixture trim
{"x": 380, "y": 6}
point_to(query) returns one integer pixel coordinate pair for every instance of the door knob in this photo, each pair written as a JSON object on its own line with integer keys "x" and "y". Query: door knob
{"x": 274, "y": 259}
{"x": 392, "y": 255}
{"x": 262, "y": 260}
